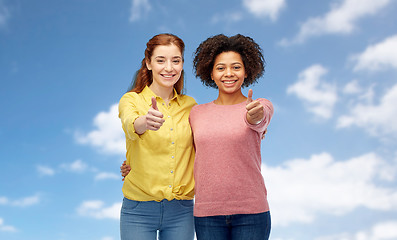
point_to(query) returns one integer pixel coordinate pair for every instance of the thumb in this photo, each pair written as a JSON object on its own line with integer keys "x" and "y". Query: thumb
{"x": 154, "y": 104}
{"x": 249, "y": 99}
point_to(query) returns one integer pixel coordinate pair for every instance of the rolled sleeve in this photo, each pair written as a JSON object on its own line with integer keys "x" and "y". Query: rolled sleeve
{"x": 128, "y": 113}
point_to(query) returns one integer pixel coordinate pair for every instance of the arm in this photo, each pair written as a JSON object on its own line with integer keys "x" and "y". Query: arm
{"x": 124, "y": 170}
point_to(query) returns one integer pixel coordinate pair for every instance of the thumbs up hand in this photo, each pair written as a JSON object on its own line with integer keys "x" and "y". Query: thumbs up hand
{"x": 154, "y": 118}
{"x": 255, "y": 110}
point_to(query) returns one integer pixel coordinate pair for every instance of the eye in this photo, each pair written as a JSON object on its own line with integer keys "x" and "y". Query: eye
{"x": 236, "y": 67}
{"x": 160, "y": 60}
{"x": 176, "y": 61}
{"x": 220, "y": 68}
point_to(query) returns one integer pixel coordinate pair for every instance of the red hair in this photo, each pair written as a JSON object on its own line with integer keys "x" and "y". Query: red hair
{"x": 144, "y": 77}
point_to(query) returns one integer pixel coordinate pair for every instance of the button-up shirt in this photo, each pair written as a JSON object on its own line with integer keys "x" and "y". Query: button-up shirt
{"x": 161, "y": 161}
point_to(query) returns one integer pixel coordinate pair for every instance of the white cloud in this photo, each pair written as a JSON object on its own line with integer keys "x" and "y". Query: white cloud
{"x": 265, "y": 8}
{"x": 318, "y": 96}
{"x": 77, "y": 166}
{"x": 381, "y": 231}
{"x": 341, "y": 19}
{"x": 107, "y": 238}
{"x": 45, "y": 171}
{"x": 376, "y": 57}
{"x": 3, "y": 200}
{"x": 302, "y": 189}
{"x": 352, "y": 88}
{"x": 23, "y": 202}
{"x": 108, "y": 135}
{"x": 138, "y": 9}
{"x": 378, "y": 120}
{"x": 6, "y": 228}
{"x": 96, "y": 209}
{"x": 107, "y": 175}
{"x": 229, "y": 17}
{"x": 4, "y": 14}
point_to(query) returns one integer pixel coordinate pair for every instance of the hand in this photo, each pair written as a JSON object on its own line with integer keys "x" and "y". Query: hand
{"x": 154, "y": 118}
{"x": 263, "y": 134}
{"x": 124, "y": 169}
{"x": 255, "y": 110}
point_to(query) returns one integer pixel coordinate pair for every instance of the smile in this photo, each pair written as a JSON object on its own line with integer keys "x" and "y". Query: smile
{"x": 167, "y": 75}
{"x": 229, "y": 81}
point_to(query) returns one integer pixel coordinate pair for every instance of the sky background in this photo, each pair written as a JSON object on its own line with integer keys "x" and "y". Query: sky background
{"x": 330, "y": 154}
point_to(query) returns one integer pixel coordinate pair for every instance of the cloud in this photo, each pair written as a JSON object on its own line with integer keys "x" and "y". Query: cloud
{"x": 341, "y": 19}
{"x": 319, "y": 97}
{"x": 23, "y": 202}
{"x": 108, "y": 136}
{"x": 45, "y": 171}
{"x": 77, "y": 166}
{"x": 6, "y": 228}
{"x": 352, "y": 88}
{"x": 377, "y": 119}
{"x": 4, "y": 14}
{"x": 229, "y": 17}
{"x": 300, "y": 190}
{"x": 107, "y": 175}
{"x": 138, "y": 9}
{"x": 96, "y": 209}
{"x": 265, "y": 8}
{"x": 377, "y": 57}
{"x": 381, "y": 231}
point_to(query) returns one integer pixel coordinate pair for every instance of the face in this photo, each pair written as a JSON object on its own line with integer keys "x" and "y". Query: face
{"x": 228, "y": 72}
{"x": 166, "y": 65}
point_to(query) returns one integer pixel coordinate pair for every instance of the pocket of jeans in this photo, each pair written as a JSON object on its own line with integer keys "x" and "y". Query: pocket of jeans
{"x": 186, "y": 203}
{"x": 129, "y": 205}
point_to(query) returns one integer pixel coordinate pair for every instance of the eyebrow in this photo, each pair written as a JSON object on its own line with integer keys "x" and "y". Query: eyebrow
{"x": 165, "y": 57}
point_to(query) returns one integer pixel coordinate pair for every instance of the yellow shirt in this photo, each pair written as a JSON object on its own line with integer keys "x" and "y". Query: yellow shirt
{"x": 161, "y": 161}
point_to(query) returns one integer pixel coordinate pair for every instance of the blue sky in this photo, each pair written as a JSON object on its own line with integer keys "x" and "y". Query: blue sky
{"x": 329, "y": 158}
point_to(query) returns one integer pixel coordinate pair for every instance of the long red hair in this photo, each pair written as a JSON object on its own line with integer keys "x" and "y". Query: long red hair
{"x": 144, "y": 77}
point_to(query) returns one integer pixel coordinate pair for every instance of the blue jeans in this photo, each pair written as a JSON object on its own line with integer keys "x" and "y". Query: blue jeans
{"x": 169, "y": 219}
{"x": 234, "y": 227}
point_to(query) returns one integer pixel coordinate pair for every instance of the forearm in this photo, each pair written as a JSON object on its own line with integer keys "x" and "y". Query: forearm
{"x": 140, "y": 125}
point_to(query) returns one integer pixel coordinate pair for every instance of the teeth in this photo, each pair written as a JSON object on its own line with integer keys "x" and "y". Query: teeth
{"x": 228, "y": 82}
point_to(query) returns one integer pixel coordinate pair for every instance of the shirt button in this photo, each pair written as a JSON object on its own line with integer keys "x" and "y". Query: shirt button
{"x": 169, "y": 116}
{"x": 172, "y": 156}
{"x": 170, "y": 186}
{"x": 172, "y": 143}
{"x": 163, "y": 104}
{"x": 171, "y": 129}
{"x": 172, "y": 171}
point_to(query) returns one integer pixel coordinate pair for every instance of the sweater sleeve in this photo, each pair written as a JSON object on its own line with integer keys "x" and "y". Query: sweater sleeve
{"x": 269, "y": 110}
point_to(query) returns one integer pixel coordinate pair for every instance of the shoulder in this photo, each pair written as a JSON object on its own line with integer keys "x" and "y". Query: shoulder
{"x": 187, "y": 100}
{"x": 129, "y": 98}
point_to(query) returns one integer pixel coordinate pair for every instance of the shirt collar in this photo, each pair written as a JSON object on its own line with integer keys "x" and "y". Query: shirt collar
{"x": 147, "y": 94}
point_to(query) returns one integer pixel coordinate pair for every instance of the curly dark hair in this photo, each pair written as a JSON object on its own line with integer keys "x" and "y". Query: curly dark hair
{"x": 249, "y": 50}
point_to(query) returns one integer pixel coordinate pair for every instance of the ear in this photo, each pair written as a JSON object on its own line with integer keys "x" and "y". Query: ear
{"x": 212, "y": 77}
{"x": 148, "y": 65}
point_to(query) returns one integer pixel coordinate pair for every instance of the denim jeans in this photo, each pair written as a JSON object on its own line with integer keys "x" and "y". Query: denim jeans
{"x": 165, "y": 220}
{"x": 234, "y": 227}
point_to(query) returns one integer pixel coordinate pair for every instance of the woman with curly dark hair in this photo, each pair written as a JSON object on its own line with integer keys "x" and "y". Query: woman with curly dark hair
{"x": 230, "y": 193}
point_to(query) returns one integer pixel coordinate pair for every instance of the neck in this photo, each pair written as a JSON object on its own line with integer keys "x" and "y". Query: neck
{"x": 165, "y": 93}
{"x": 230, "y": 99}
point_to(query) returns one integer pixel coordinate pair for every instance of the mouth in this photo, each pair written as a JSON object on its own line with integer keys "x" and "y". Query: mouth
{"x": 229, "y": 81}
{"x": 168, "y": 76}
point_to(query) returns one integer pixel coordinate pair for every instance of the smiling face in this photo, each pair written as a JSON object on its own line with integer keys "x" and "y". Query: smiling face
{"x": 166, "y": 65}
{"x": 228, "y": 72}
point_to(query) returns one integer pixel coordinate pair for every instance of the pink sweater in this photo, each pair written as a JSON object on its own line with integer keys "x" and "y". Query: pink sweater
{"x": 227, "y": 168}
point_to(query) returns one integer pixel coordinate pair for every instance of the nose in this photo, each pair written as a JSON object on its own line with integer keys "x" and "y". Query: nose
{"x": 229, "y": 72}
{"x": 168, "y": 66}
